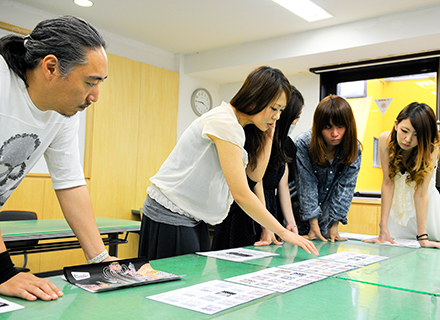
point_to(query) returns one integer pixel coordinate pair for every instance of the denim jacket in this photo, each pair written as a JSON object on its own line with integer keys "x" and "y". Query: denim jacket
{"x": 325, "y": 192}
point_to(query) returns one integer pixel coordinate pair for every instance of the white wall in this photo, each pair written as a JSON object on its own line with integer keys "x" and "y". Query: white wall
{"x": 187, "y": 85}
{"x": 308, "y": 85}
{"x": 28, "y": 17}
{"x": 393, "y": 34}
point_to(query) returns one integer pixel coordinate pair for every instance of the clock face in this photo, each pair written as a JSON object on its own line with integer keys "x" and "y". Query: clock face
{"x": 201, "y": 101}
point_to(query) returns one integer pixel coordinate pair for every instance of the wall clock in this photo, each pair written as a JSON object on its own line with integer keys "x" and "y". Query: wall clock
{"x": 201, "y": 101}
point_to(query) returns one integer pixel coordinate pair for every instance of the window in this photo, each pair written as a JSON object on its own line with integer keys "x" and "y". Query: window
{"x": 377, "y": 90}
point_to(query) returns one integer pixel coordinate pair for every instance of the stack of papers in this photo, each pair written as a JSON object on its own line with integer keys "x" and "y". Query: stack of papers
{"x": 294, "y": 275}
{"x": 276, "y": 279}
{"x": 320, "y": 266}
{"x": 358, "y": 259}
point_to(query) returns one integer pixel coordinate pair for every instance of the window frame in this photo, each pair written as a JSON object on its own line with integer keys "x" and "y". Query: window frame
{"x": 395, "y": 66}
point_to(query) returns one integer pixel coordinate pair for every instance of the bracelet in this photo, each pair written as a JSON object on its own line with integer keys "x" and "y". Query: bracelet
{"x": 419, "y": 237}
{"x": 99, "y": 258}
{"x": 7, "y": 269}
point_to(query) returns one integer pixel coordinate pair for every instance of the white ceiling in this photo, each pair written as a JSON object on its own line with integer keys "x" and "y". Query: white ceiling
{"x": 189, "y": 26}
{"x": 192, "y": 26}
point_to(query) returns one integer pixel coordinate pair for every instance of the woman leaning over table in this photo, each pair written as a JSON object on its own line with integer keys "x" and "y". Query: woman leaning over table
{"x": 206, "y": 171}
{"x": 410, "y": 202}
{"x": 328, "y": 159}
{"x": 238, "y": 229}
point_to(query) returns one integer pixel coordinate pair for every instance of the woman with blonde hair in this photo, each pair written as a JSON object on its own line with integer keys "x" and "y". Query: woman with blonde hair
{"x": 410, "y": 203}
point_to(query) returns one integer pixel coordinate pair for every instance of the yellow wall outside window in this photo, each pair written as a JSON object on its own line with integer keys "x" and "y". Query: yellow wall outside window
{"x": 371, "y": 123}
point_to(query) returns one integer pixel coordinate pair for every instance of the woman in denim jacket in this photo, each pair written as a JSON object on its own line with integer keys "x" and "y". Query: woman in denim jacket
{"x": 328, "y": 159}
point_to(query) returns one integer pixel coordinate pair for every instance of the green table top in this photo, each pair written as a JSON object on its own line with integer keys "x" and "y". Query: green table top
{"x": 49, "y": 228}
{"x": 416, "y": 271}
{"x": 339, "y": 297}
{"x": 289, "y": 253}
{"x": 409, "y": 269}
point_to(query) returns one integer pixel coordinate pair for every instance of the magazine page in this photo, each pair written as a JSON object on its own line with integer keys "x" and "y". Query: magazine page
{"x": 211, "y": 297}
{"x": 237, "y": 254}
{"x": 276, "y": 279}
{"x": 294, "y": 275}
{"x": 112, "y": 275}
{"x": 359, "y": 259}
{"x": 7, "y": 306}
{"x": 410, "y": 243}
{"x": 320, "y": 266}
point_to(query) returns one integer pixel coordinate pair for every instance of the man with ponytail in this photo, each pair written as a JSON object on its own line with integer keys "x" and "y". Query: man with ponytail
{"x": 46, "y": 77}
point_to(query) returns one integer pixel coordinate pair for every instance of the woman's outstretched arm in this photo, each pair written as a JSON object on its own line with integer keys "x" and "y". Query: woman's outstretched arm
{"x": 235, "y": 175}
{"x": 387, "y": 191}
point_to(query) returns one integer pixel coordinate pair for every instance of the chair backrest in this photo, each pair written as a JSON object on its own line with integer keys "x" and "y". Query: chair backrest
{"x": 15, "y": 215}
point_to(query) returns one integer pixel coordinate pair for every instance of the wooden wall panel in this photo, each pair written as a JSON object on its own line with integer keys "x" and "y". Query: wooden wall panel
{"x": 134, "y": 129}
{"x": 59, "y": 259}
{"x": 158, "y": 125}
{"x": 28, "y": 195}
{"x": 115, "y": 136}
{"x": 363, "y": 218}
{"x": 115, "y": 139}
{"x": 51, "y": 206}
{"x": 35, "y": 193}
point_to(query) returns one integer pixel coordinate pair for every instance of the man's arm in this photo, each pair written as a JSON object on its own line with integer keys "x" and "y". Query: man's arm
{"x": 77, "y": 208}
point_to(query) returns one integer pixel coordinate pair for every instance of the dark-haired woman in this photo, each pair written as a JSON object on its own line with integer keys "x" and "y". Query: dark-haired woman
{"x": 206, "y": 171}
{"x": 238, "y": 229}
{"x": 328, "y": 159}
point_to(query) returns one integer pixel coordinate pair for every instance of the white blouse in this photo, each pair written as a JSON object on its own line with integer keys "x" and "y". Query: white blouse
{"x": 190, "y": 181}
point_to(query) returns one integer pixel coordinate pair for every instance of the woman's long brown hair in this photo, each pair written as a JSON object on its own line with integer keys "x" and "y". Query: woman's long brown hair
{"x": 336, "y": 110}
{"x": 262, "y": 88}
{"x": 419, "y": 163}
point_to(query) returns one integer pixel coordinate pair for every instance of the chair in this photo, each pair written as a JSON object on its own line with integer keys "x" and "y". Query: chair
{"x": 16, "y": 215}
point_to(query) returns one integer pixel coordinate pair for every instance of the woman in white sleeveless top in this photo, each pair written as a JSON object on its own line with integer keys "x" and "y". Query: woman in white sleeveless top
{"x": 207, "y": 170}
{"x": 410, "y": 203}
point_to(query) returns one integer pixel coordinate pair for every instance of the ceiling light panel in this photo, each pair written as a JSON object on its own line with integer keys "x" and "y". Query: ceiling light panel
{"x": 305, "y": 9}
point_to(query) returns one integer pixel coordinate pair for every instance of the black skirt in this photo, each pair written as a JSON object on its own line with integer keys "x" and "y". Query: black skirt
{"x": 237, "y": 230}
{"x": 160, "y": 240}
